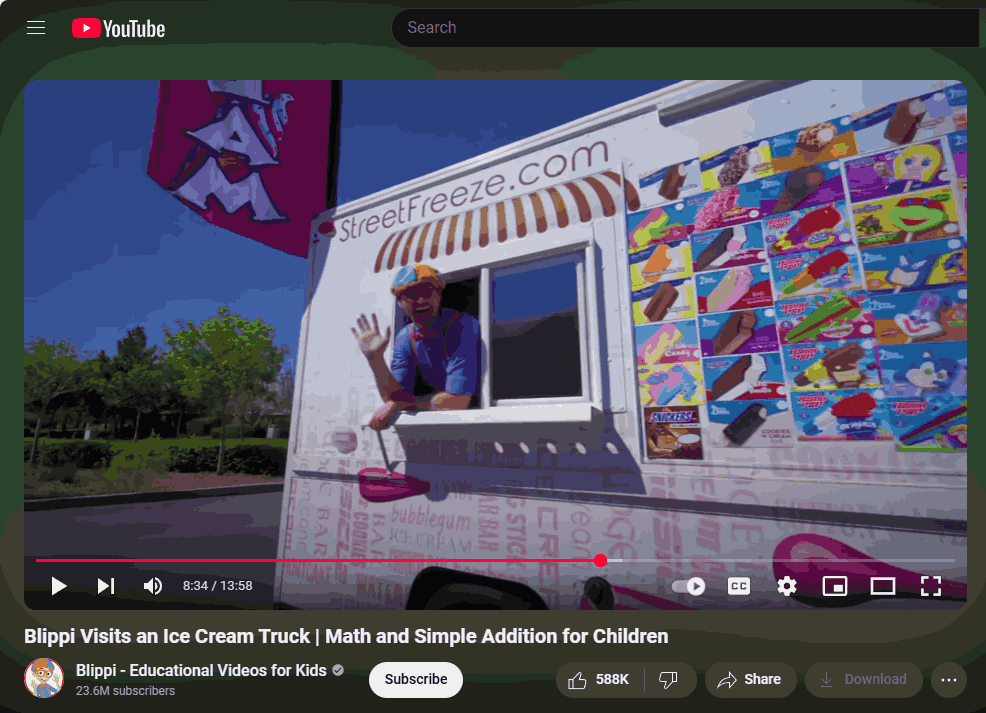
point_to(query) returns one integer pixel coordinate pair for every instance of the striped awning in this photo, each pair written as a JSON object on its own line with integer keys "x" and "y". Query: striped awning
{"x": 580, "y": 201}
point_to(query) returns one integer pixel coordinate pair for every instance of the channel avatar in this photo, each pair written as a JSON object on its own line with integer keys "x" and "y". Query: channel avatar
{"x": 43, "y": 678}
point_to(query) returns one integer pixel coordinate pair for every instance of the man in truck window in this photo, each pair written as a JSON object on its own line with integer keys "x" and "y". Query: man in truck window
{"x": 436, "y": 359}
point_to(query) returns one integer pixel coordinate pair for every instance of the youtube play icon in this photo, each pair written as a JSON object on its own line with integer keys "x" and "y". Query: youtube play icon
{"x": 86, "y": 27}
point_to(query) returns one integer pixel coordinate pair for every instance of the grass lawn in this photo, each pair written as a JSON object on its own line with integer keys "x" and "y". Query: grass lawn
{"x": 146, "y": 446}
{"x": 145, "y": 466}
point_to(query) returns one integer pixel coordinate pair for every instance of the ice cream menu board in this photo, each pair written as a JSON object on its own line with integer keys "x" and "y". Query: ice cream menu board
{"x": 815, "y": 291}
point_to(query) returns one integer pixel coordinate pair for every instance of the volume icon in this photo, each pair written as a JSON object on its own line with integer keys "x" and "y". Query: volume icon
{"x": 153, "y": 585}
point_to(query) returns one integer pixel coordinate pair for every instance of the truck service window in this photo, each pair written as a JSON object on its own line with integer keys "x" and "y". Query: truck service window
{"x": 536, "y": 350}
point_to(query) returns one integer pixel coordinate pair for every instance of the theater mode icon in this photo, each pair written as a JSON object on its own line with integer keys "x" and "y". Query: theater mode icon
{"x": 883, "y": 586}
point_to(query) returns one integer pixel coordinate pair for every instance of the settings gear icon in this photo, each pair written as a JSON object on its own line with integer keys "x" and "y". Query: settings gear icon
{"x": 787, "y": 586}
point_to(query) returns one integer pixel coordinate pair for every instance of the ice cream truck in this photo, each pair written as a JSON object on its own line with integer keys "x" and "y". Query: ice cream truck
{"x": 723, "y": 344}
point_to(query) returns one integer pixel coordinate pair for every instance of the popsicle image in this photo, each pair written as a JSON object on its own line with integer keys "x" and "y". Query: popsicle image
{"x": 916, "y": 214}
{"x": 813, "y": 374}
{"x": 825, "y": 265}
{"x": 707, "y": 217}
{"x": 730, "y": 290}
{"x": 822, "y": 422}
{"x": 730, "y": 378}
{"x": 717, "y": 248}
{"x": 917, "y": 164}
{"x": 858, "y": 406}
{"x": 659, "y": 261}
{"x": 816, "y": 137}
{"x": 799, "y": 184}
{"x": 674, "y": 179}
{"x": 746, "y": 424}
{"x": 732, "y": 247}
{"x": 824, "y": 218}
{"x": 740, "y": 378}
{"x": 904, "y": 122}
{"x": 642, "y": 235}
{"x": 658, "y": 306}
{"x": 922, "y": 321}
{"x": 654, "y": 348}
{"x": 938, "y": 424}
{"x": 837, "y": 309}
{"x": 952, "y": 264}
{"x": 734, "y": 333}
{"x": 842, "y": 365}
{"x": 673, "y": 382}
{"x": 733, "y": 170}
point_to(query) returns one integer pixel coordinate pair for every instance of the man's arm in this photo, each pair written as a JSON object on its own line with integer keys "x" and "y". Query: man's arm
{"x": 443, "y": 401}
{"x": 388, "y": 384}
{"x": 373, "y": 345}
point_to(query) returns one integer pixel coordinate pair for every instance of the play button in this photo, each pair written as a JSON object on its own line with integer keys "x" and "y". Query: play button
{"x": 85, "y": 27}
{"x": 57, "y": 586}
{"x": 696, "y": 586}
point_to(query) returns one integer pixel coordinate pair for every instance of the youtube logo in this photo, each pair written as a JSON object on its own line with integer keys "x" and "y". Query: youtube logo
{"x": 86, "y": 27}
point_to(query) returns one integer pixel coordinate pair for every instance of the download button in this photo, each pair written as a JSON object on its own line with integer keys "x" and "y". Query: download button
{"x": 864, "y": 680}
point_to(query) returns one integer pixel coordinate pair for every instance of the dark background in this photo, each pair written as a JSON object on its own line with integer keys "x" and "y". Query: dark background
{"x": 354, "y": 41}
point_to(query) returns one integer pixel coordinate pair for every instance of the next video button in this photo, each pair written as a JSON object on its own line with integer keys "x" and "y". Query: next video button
{"x": 404, "y": 679}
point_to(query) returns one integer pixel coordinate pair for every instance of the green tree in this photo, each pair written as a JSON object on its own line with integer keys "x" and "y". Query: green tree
{"x": 138, "y": 388}
{"x": 50, "y": 371}
{"x": 224, "y": 356}
{"x": 174, "y": 404}
{"x": 251, "y": 406}
{"x": 134, "y": 379}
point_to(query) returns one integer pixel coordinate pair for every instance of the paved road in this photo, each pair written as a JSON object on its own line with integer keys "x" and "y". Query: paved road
{"x": 233, "y": 526}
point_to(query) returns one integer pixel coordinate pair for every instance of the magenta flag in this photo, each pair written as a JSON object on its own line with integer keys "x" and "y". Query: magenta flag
{"x": 249, "y": 156}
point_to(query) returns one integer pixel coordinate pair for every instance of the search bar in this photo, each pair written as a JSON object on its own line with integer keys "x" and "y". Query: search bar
{"x": 696, "y": 27}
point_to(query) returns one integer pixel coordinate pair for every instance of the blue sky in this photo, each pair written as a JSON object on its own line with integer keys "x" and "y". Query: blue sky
{"x": 106, "y": 249}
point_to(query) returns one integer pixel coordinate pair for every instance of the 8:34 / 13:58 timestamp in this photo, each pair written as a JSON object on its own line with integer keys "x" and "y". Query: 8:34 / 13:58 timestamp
{"x": 225, "y": 585}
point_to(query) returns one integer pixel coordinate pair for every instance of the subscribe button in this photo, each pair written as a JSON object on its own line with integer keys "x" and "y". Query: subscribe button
{"x": 404, "y": 679}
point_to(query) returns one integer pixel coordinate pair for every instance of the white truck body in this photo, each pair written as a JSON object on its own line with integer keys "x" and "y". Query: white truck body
{"x": 570, "y": 477}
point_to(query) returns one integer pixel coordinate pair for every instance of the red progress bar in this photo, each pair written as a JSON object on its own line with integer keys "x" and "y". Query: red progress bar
{"x": 598, "y": 560}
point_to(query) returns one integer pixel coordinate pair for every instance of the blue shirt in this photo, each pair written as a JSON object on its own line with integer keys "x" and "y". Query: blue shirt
{"x": 448, "y": 355}
{"x": 45, "y": 690}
